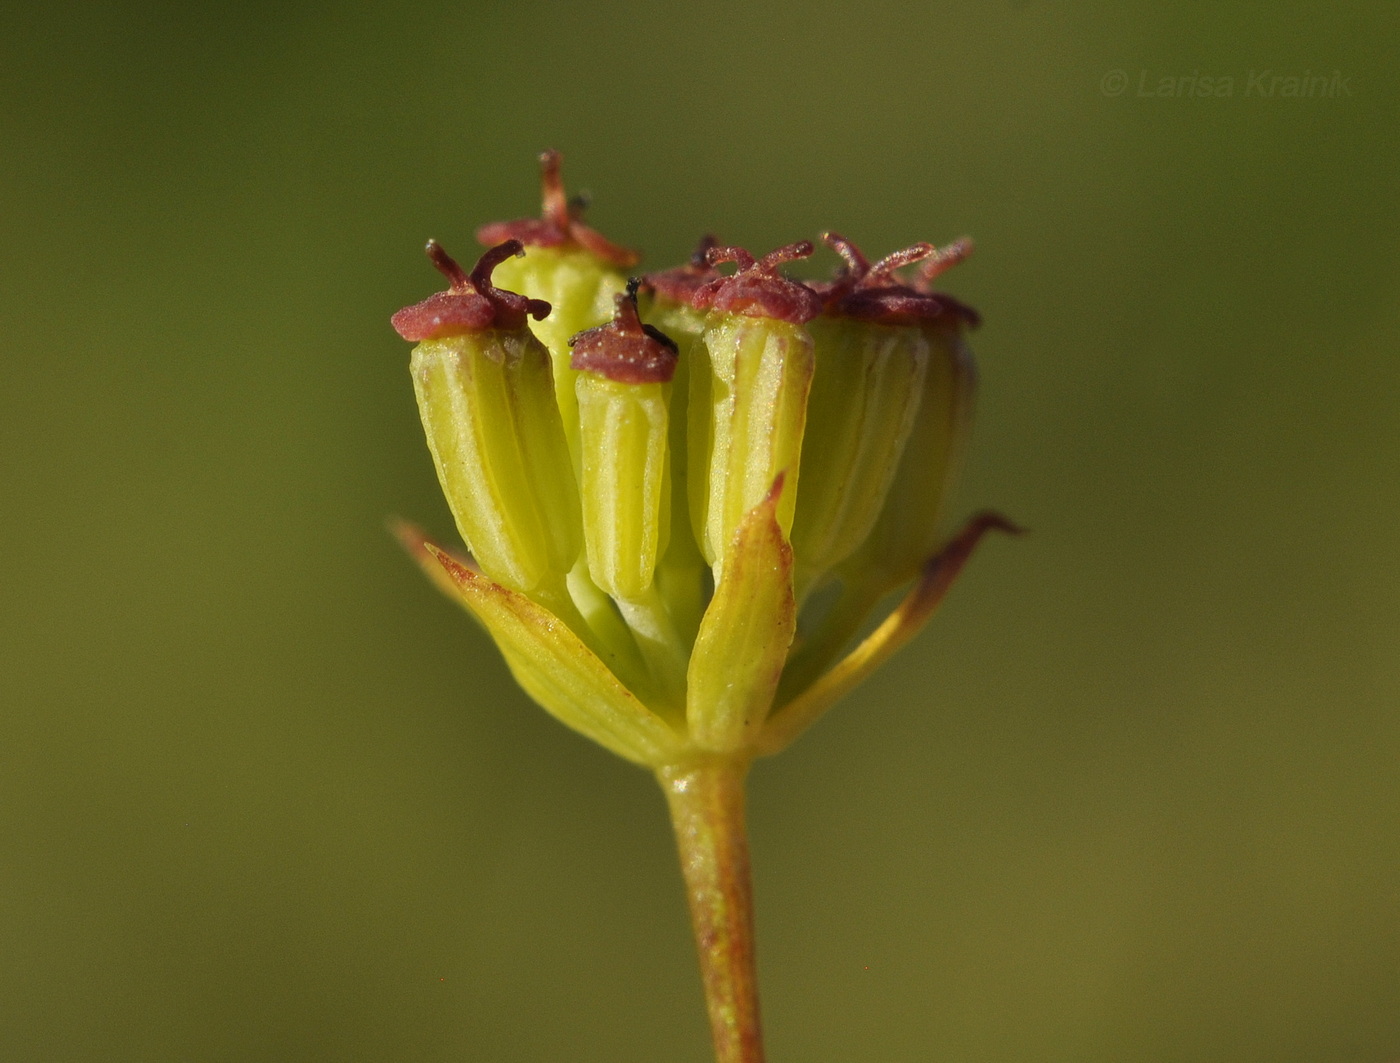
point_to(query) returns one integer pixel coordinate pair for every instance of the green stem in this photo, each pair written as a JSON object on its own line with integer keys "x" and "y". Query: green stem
{"x": 707, "y": 811}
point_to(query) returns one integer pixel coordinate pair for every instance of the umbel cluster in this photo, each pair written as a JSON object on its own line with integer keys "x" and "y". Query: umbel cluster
{"x": 684, "y": 492}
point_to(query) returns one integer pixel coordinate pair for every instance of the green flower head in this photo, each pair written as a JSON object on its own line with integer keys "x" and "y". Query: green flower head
{"x": 684, "y": 493}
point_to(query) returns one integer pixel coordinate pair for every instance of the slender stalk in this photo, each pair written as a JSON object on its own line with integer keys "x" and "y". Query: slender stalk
{"x": 707, "y": 810}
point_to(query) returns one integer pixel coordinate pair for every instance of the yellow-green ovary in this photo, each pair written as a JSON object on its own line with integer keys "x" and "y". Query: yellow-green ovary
{"x": 626, "y": 481}
{"x": 486, "y": 400}
{"x": 907, "y": 531}
{"x": 748, "y": 411}
{"x": 865, "y": 394}
{"x": 579, "y": 288}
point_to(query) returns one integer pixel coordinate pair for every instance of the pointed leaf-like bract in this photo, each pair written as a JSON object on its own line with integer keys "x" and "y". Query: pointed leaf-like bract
{"x": 563, "y": 675}
{"x": 745, "y": 634}
{"x": 908, "y": 618}
{"x": 415, "y": 543}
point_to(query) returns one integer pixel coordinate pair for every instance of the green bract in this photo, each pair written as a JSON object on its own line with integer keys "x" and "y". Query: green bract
{"x": 655, "y": 479}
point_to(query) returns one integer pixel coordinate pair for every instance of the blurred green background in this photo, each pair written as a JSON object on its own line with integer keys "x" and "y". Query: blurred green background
{"x": 1134, "y": 795}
